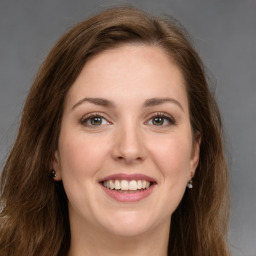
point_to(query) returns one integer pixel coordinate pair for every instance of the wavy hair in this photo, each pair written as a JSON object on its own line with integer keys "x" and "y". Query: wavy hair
{"x": 34, "y": 217}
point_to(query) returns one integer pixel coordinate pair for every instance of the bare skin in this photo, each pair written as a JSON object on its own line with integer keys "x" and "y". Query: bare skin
{"x": 126, "y": 114}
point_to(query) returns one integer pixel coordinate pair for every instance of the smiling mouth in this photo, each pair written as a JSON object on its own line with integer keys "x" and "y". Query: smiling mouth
{"x": 127, "y": 186}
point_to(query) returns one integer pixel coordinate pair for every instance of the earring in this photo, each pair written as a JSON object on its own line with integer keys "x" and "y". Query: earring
{"x": 53, "y": 174}
{"x": 190, "y": 184}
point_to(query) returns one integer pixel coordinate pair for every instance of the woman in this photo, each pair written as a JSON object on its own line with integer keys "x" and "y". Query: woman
{"x": 119, "y": 150}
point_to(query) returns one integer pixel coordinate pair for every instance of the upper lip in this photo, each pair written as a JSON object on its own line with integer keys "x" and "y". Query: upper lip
{"x": 124, "y": 176}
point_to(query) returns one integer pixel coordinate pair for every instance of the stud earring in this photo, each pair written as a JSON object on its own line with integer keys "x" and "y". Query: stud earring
{"x": 190, "y": 184}
{"x": 53, "y": 174}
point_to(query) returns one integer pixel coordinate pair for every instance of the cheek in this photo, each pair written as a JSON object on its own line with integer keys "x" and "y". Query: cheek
{"x": 172, "y": 155}
{"x": 81, "y": 155}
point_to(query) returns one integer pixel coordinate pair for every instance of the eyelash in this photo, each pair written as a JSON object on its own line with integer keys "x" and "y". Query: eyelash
{"x": 165, "y": 116}
{"x": 88, "y": 117}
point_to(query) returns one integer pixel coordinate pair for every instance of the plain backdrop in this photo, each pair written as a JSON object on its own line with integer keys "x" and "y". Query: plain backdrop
{"x": 223, "y": 32}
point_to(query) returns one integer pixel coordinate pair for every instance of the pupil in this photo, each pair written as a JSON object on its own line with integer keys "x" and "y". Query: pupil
{"x": 158, "y": 121}
{"x": 96, "y": 121}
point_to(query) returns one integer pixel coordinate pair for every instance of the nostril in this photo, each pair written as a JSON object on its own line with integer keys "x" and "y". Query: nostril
{"x": 129, "y": 158}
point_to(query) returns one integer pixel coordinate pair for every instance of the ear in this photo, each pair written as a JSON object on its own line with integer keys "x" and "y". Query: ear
{"x": 56, "y": 166}
{"x": 195, "y": 154}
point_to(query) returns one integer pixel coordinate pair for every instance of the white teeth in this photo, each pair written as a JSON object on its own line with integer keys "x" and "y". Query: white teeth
{"x": 117, "y": 184}
{"x": 106, "y": 184}
{"x": 139, "y": 184}
{"x": 133, "y": 185}
{"x": 112, "y": 184}
{"x": 126, "y": 185}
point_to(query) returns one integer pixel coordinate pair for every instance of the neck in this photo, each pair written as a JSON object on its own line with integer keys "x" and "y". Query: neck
{"x": 91, "y": 242}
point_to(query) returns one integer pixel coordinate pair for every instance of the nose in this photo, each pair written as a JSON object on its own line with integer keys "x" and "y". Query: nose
{"x": 129, "y": 145}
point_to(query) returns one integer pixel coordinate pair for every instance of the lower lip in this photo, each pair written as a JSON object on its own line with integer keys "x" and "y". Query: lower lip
{"x": 128, "y": 197}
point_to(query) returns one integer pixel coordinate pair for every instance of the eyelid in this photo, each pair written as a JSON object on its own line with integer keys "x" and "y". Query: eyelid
{"x": 169, "y": 117}
{"x": 94, "y": 114}
{"x": 165, "y": 115}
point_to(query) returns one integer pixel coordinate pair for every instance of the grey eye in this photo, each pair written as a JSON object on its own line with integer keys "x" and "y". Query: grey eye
{"x": 158, "y": 120}
{"x": 95, "y": 120}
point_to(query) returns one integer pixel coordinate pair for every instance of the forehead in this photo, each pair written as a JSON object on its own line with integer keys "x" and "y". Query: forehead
{"x": 130, "y": 72}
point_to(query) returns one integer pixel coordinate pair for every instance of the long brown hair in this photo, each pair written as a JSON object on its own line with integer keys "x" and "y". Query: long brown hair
{"x": 34, "y": 216}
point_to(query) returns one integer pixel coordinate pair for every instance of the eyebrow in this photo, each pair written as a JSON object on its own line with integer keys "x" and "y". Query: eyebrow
{"x": 159, "y": 101}
{"x": 96, "y": 101}
{"x": 148, "y": 103}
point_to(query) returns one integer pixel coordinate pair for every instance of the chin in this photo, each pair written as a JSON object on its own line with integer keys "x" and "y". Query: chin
{"x": 129, "y": 230}
{"x": 129, "y": 224}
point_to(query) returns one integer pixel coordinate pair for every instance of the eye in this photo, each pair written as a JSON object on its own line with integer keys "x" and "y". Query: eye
{"x": 161, "y": 119}
{"x": 93, "y": 120}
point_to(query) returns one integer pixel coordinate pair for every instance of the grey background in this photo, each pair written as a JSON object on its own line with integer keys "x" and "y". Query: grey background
{"x": 224, "y": 33}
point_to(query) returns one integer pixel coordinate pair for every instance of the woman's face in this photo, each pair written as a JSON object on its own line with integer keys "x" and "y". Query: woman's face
{"x": 126, "y": 150}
